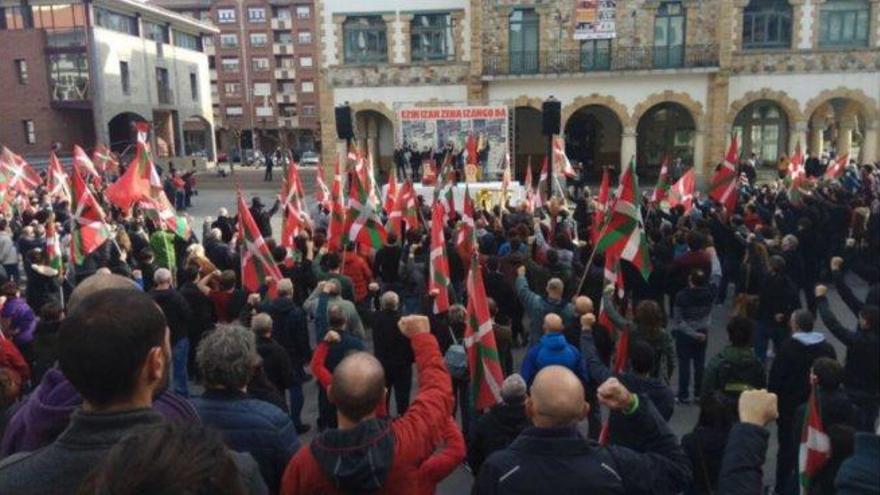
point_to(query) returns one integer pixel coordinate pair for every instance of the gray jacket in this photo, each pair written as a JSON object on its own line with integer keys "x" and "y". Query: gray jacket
{"x": 8, "y": 252}
{"x": 60, "y": 467}
{"x": 353, "y": 319}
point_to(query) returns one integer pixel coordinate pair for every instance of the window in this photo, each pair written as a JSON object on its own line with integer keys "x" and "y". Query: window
{"x": 260, "y": 63}
{"x": 212, "y": 62}
{"x": 364, "y": 40}
{"x": 282, "y": 14}
{"x": 286, "y": 62}
{"x": 155, "y": 32}
{"x": 304, "y": 37}
{"x": 308, "y": 87}
{"x": 767, "y": 25}
{"x": 283, "y": 38}
{"x": 225, "y": 16}
{"x": 194, "y": 86}
{"x": 233, "y": 110}
{"x": 21, "y": 70}
{"x": 264, "y": 111}
{"x": 259, "y": 39}
{"x": 232, "y": 89}
{"x": 303, "y": 12}
{"x": 229, "y": 40}
{"x": 208, "y": 41}
{"x": 669, "y": 35}
{"x": 262, "y": 89}
{"x": 256, "y": 14}
{"x": 69, "y": 76}
{"x": 188, "y": 41}
{"x": 229, "y": 64}
{"x": 523, "y": 41}
{"x": 124, "y": 77}
{"x": 308, "y": 110}
{"x": 214, "y": 90}
{"x": 844, "y": 23}
{"x": 30, "y": 133}
{"x": 763, "y": 130}
{"x": 305, "y": 61}
{"x": 62, "y": 17}
{"x": 116, "y": 22}
{"x": 595, "y": 55}
{"x": 14, "y": 17}
{"x": 287, "y": 88}
{"x": 431, "y": 37}
{"x": 163, "y": 87}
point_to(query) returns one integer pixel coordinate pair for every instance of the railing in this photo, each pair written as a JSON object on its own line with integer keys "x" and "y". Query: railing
{"x": 166, "y": 95}
{"x": 618, "y": 59}
{"x": 74, "y": 38}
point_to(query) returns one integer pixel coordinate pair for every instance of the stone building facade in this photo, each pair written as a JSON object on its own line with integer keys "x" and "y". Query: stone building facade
{"x": 675, "y": 79}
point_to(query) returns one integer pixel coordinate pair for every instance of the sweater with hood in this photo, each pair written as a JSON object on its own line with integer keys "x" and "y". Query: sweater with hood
{"x": 551, "y": 350}
{"x": 744, "y": 371}
{"x": 379, "y": 455}
{"x": 46, "y": 412}
{"x": 790, "y": 374}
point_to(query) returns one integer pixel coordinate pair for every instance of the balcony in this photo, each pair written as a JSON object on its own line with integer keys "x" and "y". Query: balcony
{"x": 212, "y": 74}
{"x": 282, "y": 24}
{"x": 287, "y": 97}
{"x": 282, "y": 48}
{"x": 285, "y": 74}
{"x": 166, "y": 95}
{"x": 634, "y": 58}
{"x": 210, "y": 50}
{"x": 288, "y": 122}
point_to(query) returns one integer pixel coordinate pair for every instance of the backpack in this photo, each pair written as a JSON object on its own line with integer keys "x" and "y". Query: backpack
{"x": 735, "y": 378}
{"x": 456, "y": 359}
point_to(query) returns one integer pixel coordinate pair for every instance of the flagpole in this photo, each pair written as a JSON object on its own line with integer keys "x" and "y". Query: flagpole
{"x": 590, "y": 260}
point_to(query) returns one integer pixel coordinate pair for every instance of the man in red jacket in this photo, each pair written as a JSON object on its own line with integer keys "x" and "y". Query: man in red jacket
{"x": 367, "y": 454}
{"x": 358, "y": 270}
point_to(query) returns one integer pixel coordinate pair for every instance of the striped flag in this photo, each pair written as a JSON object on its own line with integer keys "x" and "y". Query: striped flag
{"x": 464, "y": 238}
{"x": 601, "y": 205}
{"x": 82, "y": 162}
{"x": 561, "y": 163}
{"x": 682, "y": 192}
{"x": 19, "y": 175}
{"x": 363, "y": 225}
{"x": 390, "y": 193}
{"x": 57, "y": 183}
{"x": 439, "y": 264}
{"x": 815, "y": 447}
{"x": 479, "y": 340}
{"x": 624, "y": 236}
{"x": 662, "y": 187}
{"x": 89, "y": 229}
{"x": 837, "y": 167}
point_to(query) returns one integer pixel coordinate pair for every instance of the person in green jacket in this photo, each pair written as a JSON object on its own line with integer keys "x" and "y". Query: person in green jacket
{"x": 736, "y": 368}
{"x": 162, "y": 243}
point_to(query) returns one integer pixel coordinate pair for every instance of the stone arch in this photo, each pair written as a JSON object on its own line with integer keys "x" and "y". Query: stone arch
{"x": 595, "y": 99}
{"x": 859, "y": 102}
{"x": 527, "y": 101}
{"x": 376, "y": 106}
{"x": 694, "y": 107}
{"x": 788, "y": 104}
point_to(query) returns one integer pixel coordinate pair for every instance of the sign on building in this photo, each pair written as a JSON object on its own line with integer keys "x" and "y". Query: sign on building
{"x": 594, "y": 19}
{"x": 435, "y": 127}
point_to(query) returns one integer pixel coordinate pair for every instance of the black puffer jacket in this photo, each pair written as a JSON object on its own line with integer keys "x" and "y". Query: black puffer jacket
{"x": 495, "y": 430}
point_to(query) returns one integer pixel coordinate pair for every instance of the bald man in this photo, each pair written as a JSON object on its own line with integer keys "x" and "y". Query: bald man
{"x": 537, "y": 306}
{"x": 583, "y": 305}
{"x": 552, "y": 457}
{"x": 553, "y": 349}
{"x": 367, "y": 454}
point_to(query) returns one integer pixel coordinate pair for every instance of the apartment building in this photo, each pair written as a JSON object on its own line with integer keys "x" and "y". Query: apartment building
{"x": 644, "y": 78}
{"x": 263, "y": 69}
{"x": 82, "y": 73}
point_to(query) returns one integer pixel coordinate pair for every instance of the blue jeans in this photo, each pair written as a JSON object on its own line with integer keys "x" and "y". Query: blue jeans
{"x": 179, "y": 378}
{"x": 12, "y": 271}
{"x": 297, "y": 401}
{"x": 689, "y": 351}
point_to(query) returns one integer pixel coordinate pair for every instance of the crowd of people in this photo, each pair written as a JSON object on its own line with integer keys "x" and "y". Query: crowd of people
{"x": 148, "y": 368}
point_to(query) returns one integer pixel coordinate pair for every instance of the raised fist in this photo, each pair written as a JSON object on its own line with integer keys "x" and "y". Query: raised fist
{"x": 614, "y": 395}
{"x": 413, "y": 325}
{"x": 757, "y": 407}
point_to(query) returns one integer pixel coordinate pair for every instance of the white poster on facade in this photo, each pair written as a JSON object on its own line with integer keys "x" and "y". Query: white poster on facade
{"x": 594, "y": 19}
{"x": 433, "y": 128}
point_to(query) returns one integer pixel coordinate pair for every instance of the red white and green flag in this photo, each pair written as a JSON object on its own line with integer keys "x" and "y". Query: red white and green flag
{"x": 57, "y": 184}
{"x": 19, "y": 175}
{"x": 724, "y": 183}
{"x": 53, "y": 246}
{"x": 662, "y": 187}
{"x": 561, "y": 163}
{"x": 105, "y": 161}
{"x": 89, "y": 229}
{"x": 336, "y": 229}
{"x": 82, "y": 162}
{"x": 439, "y": 265}
{"x": 405, "y": 210}
{"x": 464, "y": 238}
{"x": 136, "y": 183}
{"x": 257, "y": 265}
{"x": 292, "y": 199}
{"x": 479, "y": 341}
{"x": 364, "y": 226}
{"x": 682, "y": 192}
{"x": 815, "y": 447}
{"x": 837, "y": 167}
{"x": 390, "y": 193}
{"x": 601, "y": 206}
{"x": 624, "y": 237}
{"x": 797, "y": 173}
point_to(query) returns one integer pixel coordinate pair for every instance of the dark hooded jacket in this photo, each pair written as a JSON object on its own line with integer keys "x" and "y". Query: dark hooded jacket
{"x": 495, "y": 430}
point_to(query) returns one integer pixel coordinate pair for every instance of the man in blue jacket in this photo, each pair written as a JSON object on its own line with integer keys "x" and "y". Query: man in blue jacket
{"x": 552, "y": 457}
{"x": 553, "y": 349}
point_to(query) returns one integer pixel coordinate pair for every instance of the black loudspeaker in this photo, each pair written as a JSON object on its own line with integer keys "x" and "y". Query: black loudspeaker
{"x": 551, "y": 111}
{"x": 343, "y": 122}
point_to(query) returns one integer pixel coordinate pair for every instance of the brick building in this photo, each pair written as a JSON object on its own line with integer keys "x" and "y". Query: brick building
{"x": 648, "y": 78}
{"x": 79, "y": 73}
{"x": 263, "y": 71}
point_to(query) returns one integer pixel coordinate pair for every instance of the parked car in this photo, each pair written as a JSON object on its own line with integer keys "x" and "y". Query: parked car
{"x": 309, "y": 159}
